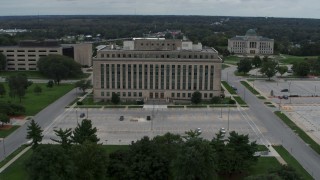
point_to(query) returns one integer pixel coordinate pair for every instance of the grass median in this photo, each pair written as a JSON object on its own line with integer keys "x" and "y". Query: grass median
{"x": 304, "y": 136}
{"x": 291, "y": 161}
{"x": 250, "y": 88}
{"x": 228, "y": 87}
{"x": 240, "y": 101}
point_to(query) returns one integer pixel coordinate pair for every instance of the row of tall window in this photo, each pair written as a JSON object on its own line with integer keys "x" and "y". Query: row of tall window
{"x": 31, "y": 50}
{"x": 157, "y": 55}
{"x": 157, "y": 76}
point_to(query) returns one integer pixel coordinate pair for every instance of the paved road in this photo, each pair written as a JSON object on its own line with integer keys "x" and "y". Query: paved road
{"x": 43, "y": 118}
{"x": 277, "y": 131}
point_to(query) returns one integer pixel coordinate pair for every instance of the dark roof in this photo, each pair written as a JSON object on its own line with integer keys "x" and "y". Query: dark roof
{"x": 35, "y": 43}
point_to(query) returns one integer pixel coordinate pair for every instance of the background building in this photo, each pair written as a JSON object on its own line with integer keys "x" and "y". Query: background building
{"x": 251, "y": 44}
{"x": 26, "y": 55}
{"x": 155, "y": 68}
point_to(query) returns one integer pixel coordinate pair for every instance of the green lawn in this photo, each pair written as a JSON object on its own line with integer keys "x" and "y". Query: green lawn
{"x": 236, "y": 73}
{"x": 5, "y": 133}
{"x": 250, "y": 88}
{"x": 35, "y": 74}
{"x": 264, "y": 165}
{"x": 291, "y": 59}
{"x": 225, "y": 66}
{"x": 17, "y": 170}
{"x": 231, "y": 59}
{"x": 304, "y": 136}
{"x": 292, "y": 162}
{"x": 12, "y": 155}
{"x": 30, "y": 74}
{"x": 35, "y": 103}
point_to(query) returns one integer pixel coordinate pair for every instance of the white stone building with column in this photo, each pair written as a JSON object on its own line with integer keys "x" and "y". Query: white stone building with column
{"x": 251, "y": 44}
{"x": 155, "y": 68}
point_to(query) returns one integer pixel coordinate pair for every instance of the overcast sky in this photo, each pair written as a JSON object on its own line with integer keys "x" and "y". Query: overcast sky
{"x": 270, "y": 8}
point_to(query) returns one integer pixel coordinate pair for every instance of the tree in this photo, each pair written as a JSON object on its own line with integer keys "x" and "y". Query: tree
{"x": 90, "y": 161}
{"x": 50, "y": 84}
{"x": 2, "y": 90}
{"x": 256, "y": 61}
{"x": 59, "y": 67}
{"x": 286, "y": 172}
{"x": 115, "y": 99}
{"x": 85, "y": 132}
{"x": 244, "y": 65}
{"x": 301, "y": 68}
{"x": 34, "y": 132}
{"x": 65, "y": 137}
{"x": 196, "y": 97}
{"x": 269, "y": 68}
{"x": 3, "y": 62}
{"x": 216, "y": 100}
{"x": 50, "y": 162}
{"x": 4, "y": 118}
{"x": 37, "y": 89}
{"x": 18, "y": 85}
{"x": 195, "y": 160}
{"x": 282, "y": 69}
{"x": 237, "y": 155}
{"x": 83, "y": 85}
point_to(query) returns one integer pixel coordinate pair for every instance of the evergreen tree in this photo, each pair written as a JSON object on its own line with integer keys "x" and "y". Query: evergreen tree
{"x": 34, "y": 132}
{"x": 85, "y": 132}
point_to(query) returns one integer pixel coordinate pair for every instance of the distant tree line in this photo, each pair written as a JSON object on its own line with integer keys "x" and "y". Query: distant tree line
{"x": 292, "y": 35}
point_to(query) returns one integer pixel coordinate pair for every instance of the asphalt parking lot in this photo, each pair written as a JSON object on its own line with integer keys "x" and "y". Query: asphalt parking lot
{"x": 134, "y": 126}
{"x": 303, "y": 110}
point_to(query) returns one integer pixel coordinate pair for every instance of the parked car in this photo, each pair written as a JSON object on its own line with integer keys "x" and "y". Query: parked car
{"x": 222, "y": 131}
{"x": 82, "y": 115}
{"x": 148, "y": 118}
{"x": 121, "y": 118}
{"x": 285, "y": 90}
{"x": 234, "y": 88}
{"x": 285, "y": 97}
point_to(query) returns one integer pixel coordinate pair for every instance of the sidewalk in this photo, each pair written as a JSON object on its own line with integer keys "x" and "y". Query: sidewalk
{"x": 14, "y": 159}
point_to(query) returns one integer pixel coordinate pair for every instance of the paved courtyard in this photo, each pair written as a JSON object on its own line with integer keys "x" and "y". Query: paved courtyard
{"x": 134, "y": 126}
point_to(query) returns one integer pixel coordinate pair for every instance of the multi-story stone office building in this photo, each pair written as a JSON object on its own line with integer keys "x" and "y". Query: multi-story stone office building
{"x": 251, "y": 44}
{"x": 155, "y": 68}
{"x": 26, "y": 55}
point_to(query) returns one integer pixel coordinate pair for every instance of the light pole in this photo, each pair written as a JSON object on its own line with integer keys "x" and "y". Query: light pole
{"x": 228, "y": 115}
{"x": 289, "y": 86}
{"x": 4, "y": 147}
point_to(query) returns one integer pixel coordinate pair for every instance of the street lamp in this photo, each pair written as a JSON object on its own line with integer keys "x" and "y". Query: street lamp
{"x": 4, "y": 147}
{"x": 228, "y": 115}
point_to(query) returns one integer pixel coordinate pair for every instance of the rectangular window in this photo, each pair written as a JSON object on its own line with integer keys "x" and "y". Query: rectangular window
{"x": 168, "y": 77}
{"x": 151, "y": 76}
{"x": 195, "y": 76}
{"x": 172, "y": 94}
{"x": 102, "y": 93}
{"x": 162, "y": 77}
{"x": 123, "y": 76}
{"x": 107, "y": 76}
{"x": 211, "y": 77}
{"x": 189, "y": 77}
{"x": 134, "y": 76}
{"x": 178, "y": 76}
{"x": 123, "y": 94}
{"x": 118, "y": 76}
{"x": 102, "y": 75}
{"x": 173, "y": 74}
{"x": 184, "y": 77}
{"x": 146, "y": 76}
{"x": 206, "y": 76}
{"x": 129, "y": 76}
{"x": 200, "y": 76}
{"x": 140, "y": 94}
{"x": 113, "y": 76}
{"x": 157, "y": 76}
{"x": 140, "y": 76}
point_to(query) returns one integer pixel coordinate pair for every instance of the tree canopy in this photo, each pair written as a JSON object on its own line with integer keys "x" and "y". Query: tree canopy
{"x": 196, "y": 97}
{"x": 59, "y": 67}
{"x": 244, "y": 65}
{"x": 85, "y": 132}
{"x": 34, "y": 132}
{"x": 3, "y": 62}
{"x": 269, "y": 68}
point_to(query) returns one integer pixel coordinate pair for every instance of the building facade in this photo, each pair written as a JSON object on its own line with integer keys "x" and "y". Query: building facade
{"x": 251, "y": 44}
{"x": 156, "y": 69}
{"x": 24, "y": 57}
